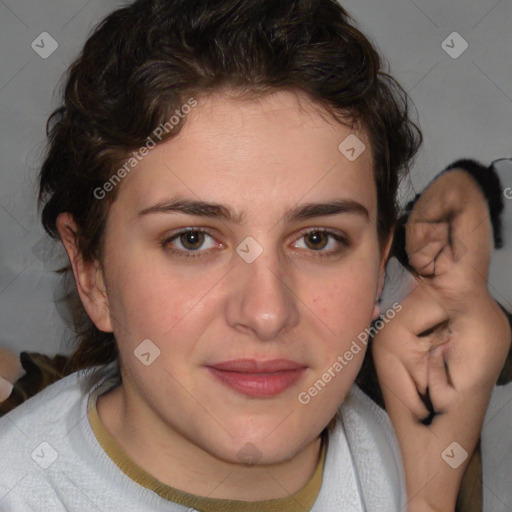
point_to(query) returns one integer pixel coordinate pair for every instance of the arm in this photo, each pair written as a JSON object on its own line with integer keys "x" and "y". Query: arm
{"x": 445, "y": 349}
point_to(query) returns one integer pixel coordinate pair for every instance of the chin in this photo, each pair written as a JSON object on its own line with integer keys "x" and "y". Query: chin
{"x": 250, "y": 453}
{"x": 267, "y": 446}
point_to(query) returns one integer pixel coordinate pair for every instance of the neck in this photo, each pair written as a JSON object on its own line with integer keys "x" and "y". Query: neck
{"x": 177, "y": 461}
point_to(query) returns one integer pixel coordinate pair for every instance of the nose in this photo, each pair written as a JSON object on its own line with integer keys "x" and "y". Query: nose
{"x": 262, "y": 304}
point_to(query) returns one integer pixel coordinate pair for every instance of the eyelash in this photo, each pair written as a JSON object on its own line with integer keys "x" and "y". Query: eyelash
{"x": 342, "y": 240}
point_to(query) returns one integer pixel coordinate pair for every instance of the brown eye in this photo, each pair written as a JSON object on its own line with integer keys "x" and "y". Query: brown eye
{"x": 316, "y": 240}
{"x": 190, "y": 243}
{"x": 192, "y": 240}
{"x": 323, "y": 243}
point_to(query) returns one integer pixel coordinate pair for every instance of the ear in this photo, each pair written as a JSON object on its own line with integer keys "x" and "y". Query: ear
{"x": 385, "y": 250}
{"x": 88, "y": 275}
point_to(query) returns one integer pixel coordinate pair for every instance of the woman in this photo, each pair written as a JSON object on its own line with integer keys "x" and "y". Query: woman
{"x": 223, "y": 178}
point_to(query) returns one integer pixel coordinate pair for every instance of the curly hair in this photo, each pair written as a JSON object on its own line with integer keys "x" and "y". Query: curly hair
{"x": 144, "y": 61}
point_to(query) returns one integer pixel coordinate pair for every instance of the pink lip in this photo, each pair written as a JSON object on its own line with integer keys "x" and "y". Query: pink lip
{"x": 258, "y": 378}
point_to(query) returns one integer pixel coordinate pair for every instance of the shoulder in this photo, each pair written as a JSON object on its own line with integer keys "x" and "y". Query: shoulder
{"x": 47, "y": 414}
{"x": 40, "y": 437}
{"x": 56, "y": 401}
{"x": 45, "y": 409}
{"x": 51, "y": 460}
{"x": 25, "y": 435}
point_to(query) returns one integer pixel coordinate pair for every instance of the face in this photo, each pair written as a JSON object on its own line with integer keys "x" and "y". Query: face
{"x": 246, "y": 250}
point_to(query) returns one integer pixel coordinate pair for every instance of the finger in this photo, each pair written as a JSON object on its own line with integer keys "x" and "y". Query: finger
{"x": 419, "y": 232}
{"x": 422, "y": 322}
{"x": 409, "y": 352}
{"x": 398, "y": 386}
{"x": 442, "y": 392}
{"x": 424, "y": 243}
{"x": 5, "y": 389}
{"x": 467, "y": 227}
{"x": 416, "y": 364}
{"x": 424, "y": 260}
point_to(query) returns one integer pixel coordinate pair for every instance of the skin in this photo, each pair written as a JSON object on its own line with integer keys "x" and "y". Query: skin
{"x": 263, "y": 158}
{"x": 450, "y": 338}
{"x": 10, "y": 371}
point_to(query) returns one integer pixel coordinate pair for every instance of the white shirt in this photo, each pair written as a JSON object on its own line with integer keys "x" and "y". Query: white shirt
{"x": 50, "y": 459}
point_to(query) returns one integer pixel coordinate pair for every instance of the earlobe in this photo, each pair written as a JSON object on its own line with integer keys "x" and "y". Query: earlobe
{"x": 376, "y": 309}
{"x": 88, "y": 275}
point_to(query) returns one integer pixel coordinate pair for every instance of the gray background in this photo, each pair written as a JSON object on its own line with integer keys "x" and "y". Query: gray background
{"x": 464, "y": 104}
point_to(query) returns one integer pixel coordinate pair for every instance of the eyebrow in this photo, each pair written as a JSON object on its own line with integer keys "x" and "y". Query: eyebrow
{"x": 215, "y": 210}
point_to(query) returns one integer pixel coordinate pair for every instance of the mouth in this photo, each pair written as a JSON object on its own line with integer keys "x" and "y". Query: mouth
{"x": 258, "y": 378}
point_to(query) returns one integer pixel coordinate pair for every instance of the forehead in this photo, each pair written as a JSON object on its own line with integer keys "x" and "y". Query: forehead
{"x": 260, "y": 153}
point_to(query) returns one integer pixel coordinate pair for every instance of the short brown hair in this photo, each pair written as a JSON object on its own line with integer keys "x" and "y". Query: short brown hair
{"x": 145, "y": 60}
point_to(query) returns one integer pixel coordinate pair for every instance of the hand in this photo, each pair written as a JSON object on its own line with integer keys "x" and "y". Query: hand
{"x": 449, "y": 232}
{"x": 445, "y": 349}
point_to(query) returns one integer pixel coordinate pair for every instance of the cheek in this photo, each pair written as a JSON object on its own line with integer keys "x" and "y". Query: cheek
{"x": 343, "y": 307}
{"x": 345, "y": 301}
{"x": 149, "y": 300}
{"x": 339, "y": 352}
{"x": 346, "y": 312}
